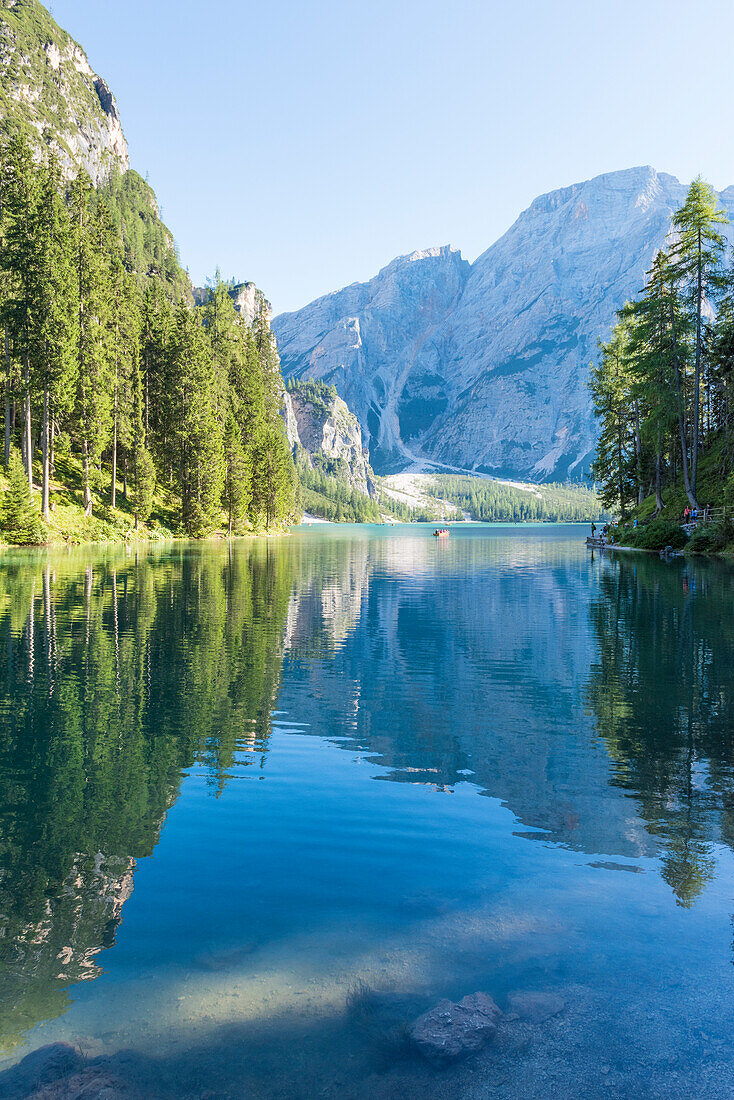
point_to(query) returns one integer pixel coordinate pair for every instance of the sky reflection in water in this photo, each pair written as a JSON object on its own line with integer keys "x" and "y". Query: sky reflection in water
{"x": 198, "y": 865}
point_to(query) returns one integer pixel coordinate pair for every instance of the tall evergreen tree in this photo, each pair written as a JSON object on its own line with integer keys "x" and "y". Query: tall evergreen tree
{"x": 198, "y": 434}
{"x": 91, "y": 239}
{"x": 611, "y": 388}
{"x": 237, "y": 477}
{"x": 22, "y": 274}
{"x": 21, "y": 522}
{"x": 698, "y": 269}
{"x": 273, "y": 498}
{"x": 54, "y": 316}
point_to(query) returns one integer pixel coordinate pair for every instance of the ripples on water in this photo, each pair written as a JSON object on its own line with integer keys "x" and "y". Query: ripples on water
{"x": 262, "y": 802}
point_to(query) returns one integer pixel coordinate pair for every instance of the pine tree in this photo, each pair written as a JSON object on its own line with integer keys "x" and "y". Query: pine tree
{"x": 143, "y": 468}
{"x": 657, "y": 346}
{"x": 199, "y": 455}
{"x": 697, "y": 265}
{"x": 273, "y": 497}
{"x": 20, "y": 195}
{"x": 54, "y": 312}
{"x": 21, "y": 522}
{"x": 93, "y": 412}
{"x": 237, "y": 477}
{"x": 611, "y": 388}
{"x": 126, "y": 337}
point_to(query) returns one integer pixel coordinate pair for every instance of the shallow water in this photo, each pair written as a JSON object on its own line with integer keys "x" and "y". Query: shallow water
{"x": 263, "y": 803}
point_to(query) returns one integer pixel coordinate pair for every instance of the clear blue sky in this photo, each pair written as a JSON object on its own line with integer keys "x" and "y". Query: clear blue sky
{"x": 305, "y": 143}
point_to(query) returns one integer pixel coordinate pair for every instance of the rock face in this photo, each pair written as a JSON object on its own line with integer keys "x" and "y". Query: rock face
{"x": 484, "y": 366}
{"x": 325, "y": 434}
{"x": 248, "y": 300}
{"x": 450, "y": 1031}
{"x": 49, "y": 89}
{"x": 368, "y": 340}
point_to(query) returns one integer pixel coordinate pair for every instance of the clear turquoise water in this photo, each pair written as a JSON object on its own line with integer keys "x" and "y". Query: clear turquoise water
{"x": 241, "y": 786}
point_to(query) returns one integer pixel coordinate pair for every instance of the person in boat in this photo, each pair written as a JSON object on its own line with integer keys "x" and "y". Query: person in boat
{"x": 593, "y": 528}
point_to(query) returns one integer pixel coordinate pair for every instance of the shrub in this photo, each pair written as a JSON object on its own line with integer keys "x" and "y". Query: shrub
{"x": 657, "y": 535}
{"x": 711, "y": 537}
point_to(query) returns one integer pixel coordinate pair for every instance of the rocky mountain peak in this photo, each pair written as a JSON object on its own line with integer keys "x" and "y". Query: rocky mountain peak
{"x": 50, "y": 92}
{"x": 484, "y": 366}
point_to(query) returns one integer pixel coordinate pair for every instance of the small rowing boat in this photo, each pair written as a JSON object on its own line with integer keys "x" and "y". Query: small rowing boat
{"x": 441, "y": 533}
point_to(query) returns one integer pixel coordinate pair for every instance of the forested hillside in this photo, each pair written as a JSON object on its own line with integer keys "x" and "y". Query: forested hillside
{"x": 112, "y": 373}
{"x": 497, "y": 501}
{"x": 663, "y": 387}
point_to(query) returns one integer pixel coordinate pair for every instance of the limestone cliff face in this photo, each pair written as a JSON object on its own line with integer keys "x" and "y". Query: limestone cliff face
{"x": 323, "y": 432}
{"x": 485, "y": 366}
{"x": 49, "y": 90}
{"x": 366, "y": 340}
{"x": 248, "y": 300}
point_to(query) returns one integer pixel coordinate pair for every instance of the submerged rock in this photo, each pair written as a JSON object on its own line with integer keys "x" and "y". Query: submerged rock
{"x": 41, "y": 1067}
{"x": 535, "y": 1007}
{"x": 59, "y": 1071}
{"x": 93, "y": 1083}
{"x": 450, "y": 1031}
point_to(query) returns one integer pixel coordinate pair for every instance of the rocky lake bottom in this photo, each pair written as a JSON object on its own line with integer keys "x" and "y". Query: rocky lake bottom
{"x": 360, "y": 813}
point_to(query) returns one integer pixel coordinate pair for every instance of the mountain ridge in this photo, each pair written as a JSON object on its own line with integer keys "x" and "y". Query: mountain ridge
{"x": 483, "y": 366}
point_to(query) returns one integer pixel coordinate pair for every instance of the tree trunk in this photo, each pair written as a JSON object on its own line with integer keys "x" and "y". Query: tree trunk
{"x": 52, "y": 452}
{"x": 658, "y": 494}
{"x": 7, "y": 400}
{"x": 27, "y": 429}
{"x": 681, "y": 420}
{"x": 45, "y": 452}
{"x": 124, "y": 478}
{"x": 87, "y": 489}
{"x": 697, "y": 376}
{"x": 638, "y": 456}
{"x": 113, "y": 495}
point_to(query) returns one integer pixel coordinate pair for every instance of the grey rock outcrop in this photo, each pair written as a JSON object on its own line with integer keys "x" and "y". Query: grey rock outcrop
{"x": 484, "y": 366}
{"x": 51, "y": 92}
{"x": 452, "y": 1031}
{"x": 248, "y": 300}
{"x": 322, "y": 431}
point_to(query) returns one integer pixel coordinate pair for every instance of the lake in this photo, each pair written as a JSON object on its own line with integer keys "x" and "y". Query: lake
{"x": 263, "y": 803}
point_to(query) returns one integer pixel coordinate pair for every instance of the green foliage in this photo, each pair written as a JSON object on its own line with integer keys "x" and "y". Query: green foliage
{"x": 664, "y": 381}
{"x": 656, "y": 535}
{"x": 319, "y": 394}
{"x": 237, "y": 478}
{"x": 334, "y": 499}
{"x": 196, "y": 428}
{"x": 274, "y": 482}
{"x": 21, "y": 522}
{"x": 712, "y": 538}
{"x": 104, "y": 350}
{"x": 496, "y": 502}
{"x": 148, "y": 247}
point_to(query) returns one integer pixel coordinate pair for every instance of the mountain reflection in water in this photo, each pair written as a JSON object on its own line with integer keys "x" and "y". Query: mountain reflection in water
{"x": 591, "y": 697}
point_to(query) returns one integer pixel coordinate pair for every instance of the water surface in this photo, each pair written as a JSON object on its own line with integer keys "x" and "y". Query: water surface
{"x": 261, "y": 803}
